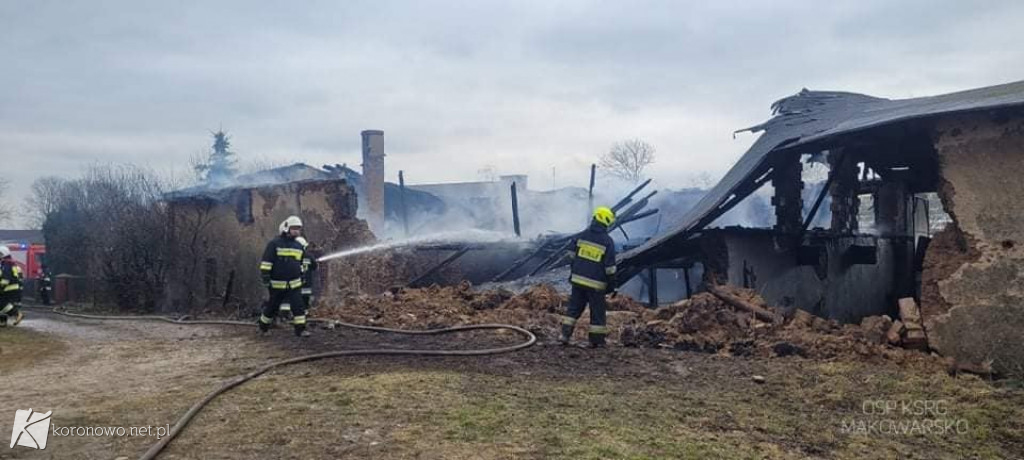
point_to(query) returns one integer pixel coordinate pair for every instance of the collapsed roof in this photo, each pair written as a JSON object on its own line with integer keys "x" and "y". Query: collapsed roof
{"x": 301, "y": 172}
{"x": 809, "y": 120}
{"x": 297, "y": 172}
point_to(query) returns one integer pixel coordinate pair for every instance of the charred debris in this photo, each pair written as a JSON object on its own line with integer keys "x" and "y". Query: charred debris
{"x": 544, "y": 253}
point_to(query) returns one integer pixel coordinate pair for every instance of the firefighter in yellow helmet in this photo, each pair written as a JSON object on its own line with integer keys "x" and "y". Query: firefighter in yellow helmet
{"x": 281, "y": 271}
{"x": 10, "y": 288}
{"x": 592, "y": 276}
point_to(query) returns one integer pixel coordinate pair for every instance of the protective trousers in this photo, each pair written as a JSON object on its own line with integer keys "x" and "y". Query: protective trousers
{"x": 292, "y": 297}
{"x": 579, "y": 299}
{"x": 8, "y": 308}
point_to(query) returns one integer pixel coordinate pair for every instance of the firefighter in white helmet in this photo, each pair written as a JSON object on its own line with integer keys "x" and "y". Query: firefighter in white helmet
{"x": 10, "y": 288}
{"x": 281, "y": 271}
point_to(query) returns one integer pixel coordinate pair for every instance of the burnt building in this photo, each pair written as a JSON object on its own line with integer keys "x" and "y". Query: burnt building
{"x": 218, "y": 235}
{"x": 402, "y": 206}
{"x": 896, "y": 155}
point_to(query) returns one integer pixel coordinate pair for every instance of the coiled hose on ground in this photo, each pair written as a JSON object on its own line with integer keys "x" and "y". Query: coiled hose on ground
{"x": 182, "y": 422}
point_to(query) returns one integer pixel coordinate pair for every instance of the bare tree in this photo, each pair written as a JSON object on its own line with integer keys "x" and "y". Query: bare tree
{"x": 628, "y": 159}
{"x": 111, "y": 226}
{"x": 43, "y": 199}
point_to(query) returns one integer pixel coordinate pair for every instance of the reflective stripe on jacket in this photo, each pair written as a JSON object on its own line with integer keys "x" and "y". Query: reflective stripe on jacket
{"x": 10, "y": 282}
{"x": 593, "y": 253}
{"x": 281, "y": 264}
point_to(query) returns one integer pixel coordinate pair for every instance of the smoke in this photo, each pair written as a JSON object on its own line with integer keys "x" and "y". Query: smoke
{"x": 540, "y": 213}
{"x": 265, "y": 174}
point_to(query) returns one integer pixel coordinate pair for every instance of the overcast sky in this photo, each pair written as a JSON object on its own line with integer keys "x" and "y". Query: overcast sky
{"x": 521, "y": 86}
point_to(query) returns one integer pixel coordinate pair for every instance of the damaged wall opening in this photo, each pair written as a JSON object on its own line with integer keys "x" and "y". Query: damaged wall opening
{"x": 917, "y": 207}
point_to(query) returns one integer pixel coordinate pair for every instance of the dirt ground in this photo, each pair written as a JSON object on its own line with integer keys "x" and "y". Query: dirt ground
{"x": 545, "y": 402}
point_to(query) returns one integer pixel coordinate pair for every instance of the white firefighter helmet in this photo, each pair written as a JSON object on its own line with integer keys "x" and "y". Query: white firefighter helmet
{"x": 291, "y": 221}
{"x": 302, "y": 241}
{"x": 4, "y": 251}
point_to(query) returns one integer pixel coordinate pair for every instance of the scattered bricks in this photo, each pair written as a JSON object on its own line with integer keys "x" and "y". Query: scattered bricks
{"x": 895, "y": 333}
{"x": 909, "y": 313}
{"x": 915, "y": 339}
{"x": 703, "y": 323}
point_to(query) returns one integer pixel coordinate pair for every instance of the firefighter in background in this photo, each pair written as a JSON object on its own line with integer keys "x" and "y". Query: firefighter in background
{"x": 285, "y": 310}
{"x": 281, "y": 270}
{"x": 309, "y": 266}
{"x": 45, "y": 285}
{"x": 10, "y": 288}
{"x": 592, "y": 276}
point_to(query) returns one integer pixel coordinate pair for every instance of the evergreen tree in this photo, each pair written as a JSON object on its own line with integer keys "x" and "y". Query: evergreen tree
{"x": 220, "y": 167}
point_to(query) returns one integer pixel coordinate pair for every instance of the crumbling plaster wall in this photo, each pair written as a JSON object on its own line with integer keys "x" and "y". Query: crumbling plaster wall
{"x": 212, "y": 238}
{"x": 976, "y": 312}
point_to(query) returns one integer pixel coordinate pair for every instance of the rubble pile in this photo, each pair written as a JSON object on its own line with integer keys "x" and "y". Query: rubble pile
{"x": 704, "y": 323}
{"x": 378, "y": 271}
{"x": 538, "y": 308}
{"x": 707, "y": 323}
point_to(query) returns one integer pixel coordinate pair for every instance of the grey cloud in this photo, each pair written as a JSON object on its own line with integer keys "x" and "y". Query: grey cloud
{"x": 525, "y": 86}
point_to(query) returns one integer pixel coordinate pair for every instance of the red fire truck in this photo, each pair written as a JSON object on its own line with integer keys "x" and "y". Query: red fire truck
{"x": 29, "y": 256}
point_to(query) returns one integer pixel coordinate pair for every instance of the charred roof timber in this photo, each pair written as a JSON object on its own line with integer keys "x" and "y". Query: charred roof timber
{"x": 548, "y": 252}
{"x": 886, "y": 135}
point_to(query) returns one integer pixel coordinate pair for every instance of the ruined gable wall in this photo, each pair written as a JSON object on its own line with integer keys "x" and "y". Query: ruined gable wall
{"x": 973, "y": 300}
{"x": 214, "y": 238}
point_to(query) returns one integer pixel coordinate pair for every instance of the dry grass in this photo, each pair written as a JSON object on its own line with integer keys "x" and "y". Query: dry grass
{"x": 700, "y": 407}
{"x": 444, "y": 414}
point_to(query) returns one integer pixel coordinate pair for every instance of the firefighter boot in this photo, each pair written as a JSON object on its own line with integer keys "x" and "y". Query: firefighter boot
{"x": 3, "y": 320}
{"x": 17, "y": 318}
{"x": 596, "y": 340}
{"x": 566, "y": 334}
{"x": 300, "y": 330}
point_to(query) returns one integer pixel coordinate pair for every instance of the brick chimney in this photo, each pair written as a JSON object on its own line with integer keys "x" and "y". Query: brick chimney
{"x": 373, "y": 178}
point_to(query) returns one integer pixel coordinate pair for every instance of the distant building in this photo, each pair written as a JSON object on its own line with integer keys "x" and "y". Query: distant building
{"x": 21, "y": 236}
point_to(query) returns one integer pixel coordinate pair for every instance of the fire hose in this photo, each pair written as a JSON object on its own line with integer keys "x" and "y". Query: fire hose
{"x": 184, "y": 420}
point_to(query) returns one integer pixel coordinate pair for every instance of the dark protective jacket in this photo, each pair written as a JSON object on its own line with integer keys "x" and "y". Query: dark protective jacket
{"x": 46, "y": 282}
{"x": 309, "y": 265}
{"x": 593, "y": 263}
{"x": 10, "y": 283}
{"x": 281, "y": 265}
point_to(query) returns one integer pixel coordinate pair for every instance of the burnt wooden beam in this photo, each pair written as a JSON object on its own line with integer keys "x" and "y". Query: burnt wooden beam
{"x": 629, "y": 197}
{"x": 519, "y": 263}
{"x": 515, "y": 210}
{"x": 555, "y": 255}
{"x": 637, "y": 216}
{"x": 590, "y": 193}
{"x": 821, "y": 196}
{"x": 652, "y": 292}
{"x": 401, "y": 200}
{"x": 444, "y": 263}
